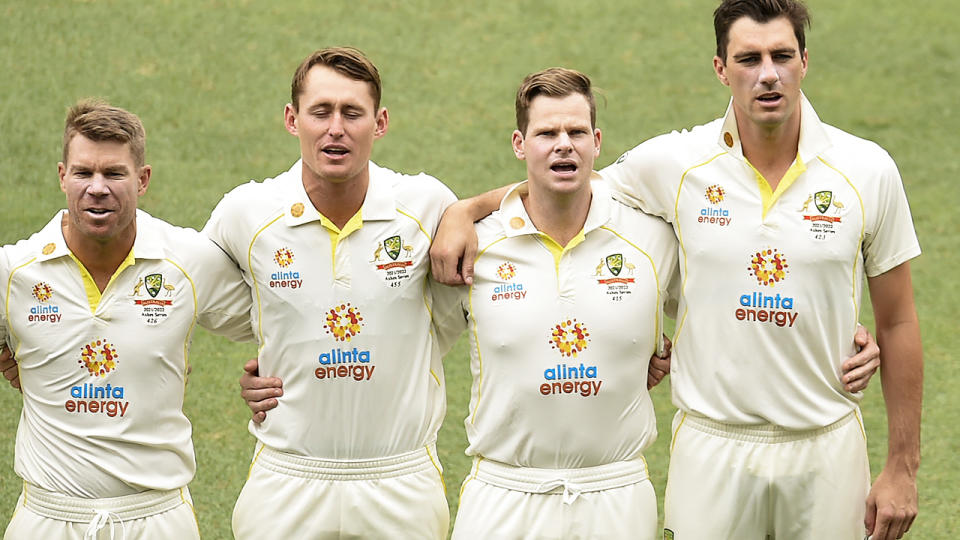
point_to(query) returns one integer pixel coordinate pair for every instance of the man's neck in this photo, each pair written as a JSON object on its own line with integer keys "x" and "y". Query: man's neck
{"x": 337, "y": 201}
{"x": 561, "y": 217}
{"x": 771, "y": 151}
{"x": 100, "y": 258}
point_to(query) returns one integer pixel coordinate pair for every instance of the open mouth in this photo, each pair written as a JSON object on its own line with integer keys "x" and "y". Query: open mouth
{"x": 770, "y": 97}
{"x": 335, "y": 151}
{"x": 564, "y": 167}
{"x": 98, "y": 211}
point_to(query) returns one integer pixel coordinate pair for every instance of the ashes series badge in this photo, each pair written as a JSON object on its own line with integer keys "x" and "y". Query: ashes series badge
{"x": 153, "y": 310}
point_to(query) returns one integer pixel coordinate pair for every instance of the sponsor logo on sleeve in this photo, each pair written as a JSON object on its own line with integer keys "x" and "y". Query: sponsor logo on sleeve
{"x": 99, "y": 359}
{"x": 770, "y": 268}
{"x": 715, "y": 213}
{"x": 825, "y": 222}
{"x": 570, "y": 338}
{"x": 44, "y": 311}
{"x": 344, "y": 322}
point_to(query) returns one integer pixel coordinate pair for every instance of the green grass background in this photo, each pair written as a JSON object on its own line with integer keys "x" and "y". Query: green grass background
{"x": 210, "y": 78}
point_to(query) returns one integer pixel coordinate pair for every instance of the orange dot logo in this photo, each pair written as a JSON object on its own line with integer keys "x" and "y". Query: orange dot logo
{"x": 99, "y": 358}
{"x": 769, "y": 266}
{"x": 507, "y": 271}
{"x": 569, "y": 337}
{"x": 42, "y": 292}
{"x": 715, "y": 194}
{"x": 283, "y": 257}
{"x": 343, "y": 322}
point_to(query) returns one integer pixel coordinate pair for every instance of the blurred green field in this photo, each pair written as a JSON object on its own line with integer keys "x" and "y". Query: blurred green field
{"x": 210, "y": 78}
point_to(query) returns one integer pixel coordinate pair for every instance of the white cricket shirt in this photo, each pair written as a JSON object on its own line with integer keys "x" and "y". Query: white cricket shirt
{"x": 561, "y": 337}
{"x": 772, "y": 281}
{"x": 103, "y": 375}
{"x": 342, "y": 315}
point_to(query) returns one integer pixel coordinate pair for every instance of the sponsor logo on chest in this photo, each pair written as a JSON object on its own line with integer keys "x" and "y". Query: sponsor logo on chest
{"x": 344, "y": 322}
{"x": 44, "y": 311}
{"x": 98, "y": 359}
{"x": 284, "y": 277}
{"x": 714, "y": 214}
{"x": 512, "y": 289}
{"x": 770, "y": 268}
{"x": 570, "y": 338}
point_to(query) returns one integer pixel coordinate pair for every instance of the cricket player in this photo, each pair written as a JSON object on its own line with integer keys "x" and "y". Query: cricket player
{"x": 564, "y": 312}
{"x": 99, "y": 308}
{"x": 335, "y": 251}
{"x": 780, "y": 219}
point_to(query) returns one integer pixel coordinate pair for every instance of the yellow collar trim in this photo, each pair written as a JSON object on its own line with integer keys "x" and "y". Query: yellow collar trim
{"x": 90, "y": 286}
{"x": 556, "y": 249}
{"x": 355, "y": 223}
{"x": 770, "y": 197}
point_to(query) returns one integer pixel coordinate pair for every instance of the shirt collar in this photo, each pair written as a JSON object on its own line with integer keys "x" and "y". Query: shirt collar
{"x": 515, "y": 221}
{"x": 146, "y": 245}
{"x": 813, "y": 136}
{"x": 378, "y": 203}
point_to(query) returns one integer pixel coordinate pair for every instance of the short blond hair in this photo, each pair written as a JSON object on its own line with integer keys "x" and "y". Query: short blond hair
{"x": 553, "y": 82}
{"x": 347, "y": 61}
{"x": 99, "y": 121}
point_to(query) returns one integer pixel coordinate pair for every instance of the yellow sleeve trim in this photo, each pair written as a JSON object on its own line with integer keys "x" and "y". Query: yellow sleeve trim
{"x": 253, "y": 279}
{"x": 193, "y": 323}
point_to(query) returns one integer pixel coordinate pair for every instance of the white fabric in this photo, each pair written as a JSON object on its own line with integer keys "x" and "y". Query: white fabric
{"x": 729, "y": 481}
{"x": 355, "y": 312}
{"x": 752, "y": 353}
{"x": 290, "y": 496}
{"x": 118, "y": 430}
{"x": 150, "y": 515}
{"x": 543, "y": 396}
{"x": 496, "y": 505}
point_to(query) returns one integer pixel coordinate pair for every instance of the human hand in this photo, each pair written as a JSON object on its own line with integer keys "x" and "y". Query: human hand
{"x": 891, "y": 504}
{"x": 659, "y": 366}
{"x": 8, "y": 364}
{"x": 260, "y": 393}
{"x": 857, "y": 370}
{"x": 454, "y": 247}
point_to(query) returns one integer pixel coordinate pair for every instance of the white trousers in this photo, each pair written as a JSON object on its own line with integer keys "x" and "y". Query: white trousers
{"x": 754, "y": 482}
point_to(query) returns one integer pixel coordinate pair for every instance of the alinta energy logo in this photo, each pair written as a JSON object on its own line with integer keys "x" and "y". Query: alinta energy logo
{"x": 344, "y": 322}
{"x": 508, "y": 291}
{"x": 570, "y": 337}
{"x": 284, "y": 279}
{"x": 43, "y": 312}
{"x": 715, "y": 214}
{"x": 769, "y": 267}
{"x": 98, "y": 359}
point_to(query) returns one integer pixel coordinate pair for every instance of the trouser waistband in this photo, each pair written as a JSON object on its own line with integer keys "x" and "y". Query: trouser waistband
{"x": 360, "y": 469}
{"x": 80, "y": 510}
{"x": 569, "y": 482}
{"x": 762, "y": 433}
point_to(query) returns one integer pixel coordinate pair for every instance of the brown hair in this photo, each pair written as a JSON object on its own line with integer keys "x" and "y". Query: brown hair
{"x": 99, "y": 121}
{"x": 553, "y": 82}
{"x": 346, "y": 61}
{"x": 760, "y": 11}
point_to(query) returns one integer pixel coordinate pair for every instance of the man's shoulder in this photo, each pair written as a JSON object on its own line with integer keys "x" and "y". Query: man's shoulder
{"x": 683, "y": 147}
{"x": 637, "y": 226}
{"x": 36, "y": 245}
{"x": 182, "y": 245}
{"x": 413, "y": 190}
{"x": 849, "y": 147}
